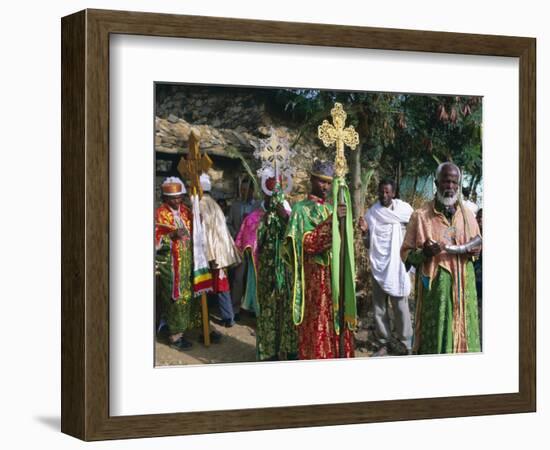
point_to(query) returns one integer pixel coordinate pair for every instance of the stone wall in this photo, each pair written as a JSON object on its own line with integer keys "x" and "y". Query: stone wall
{"x": 230, "y": 122}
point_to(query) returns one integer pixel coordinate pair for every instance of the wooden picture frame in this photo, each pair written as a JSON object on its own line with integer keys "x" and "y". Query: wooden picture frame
{"x": 85, "y": 224}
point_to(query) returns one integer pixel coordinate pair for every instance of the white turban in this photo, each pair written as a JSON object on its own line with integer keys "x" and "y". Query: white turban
{"x": 205, "y": 182}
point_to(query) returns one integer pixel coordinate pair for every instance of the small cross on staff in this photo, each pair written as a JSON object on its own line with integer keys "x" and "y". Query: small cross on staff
{"x": 336, "y": 134}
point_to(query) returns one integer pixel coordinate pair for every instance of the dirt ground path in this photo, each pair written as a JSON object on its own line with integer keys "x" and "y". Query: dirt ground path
{"x": 238, "y": 344}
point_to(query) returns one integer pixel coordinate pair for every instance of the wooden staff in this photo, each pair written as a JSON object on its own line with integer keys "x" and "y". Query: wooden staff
{"x": 191, "y": 168}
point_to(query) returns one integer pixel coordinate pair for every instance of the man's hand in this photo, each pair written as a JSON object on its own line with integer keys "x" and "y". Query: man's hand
{"x": 282, "y": 212}
{"x": 341, "y": 211}
{"x": 363, "y": 225}
{"x": 177, "y": 234}
{"x": 475, "y": 252}
{"x": 431, "y": 248}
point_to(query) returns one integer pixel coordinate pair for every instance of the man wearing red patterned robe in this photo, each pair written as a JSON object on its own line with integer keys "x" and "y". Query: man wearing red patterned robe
{"x": 174, "y": 264}
{"x": 307, "y": 251}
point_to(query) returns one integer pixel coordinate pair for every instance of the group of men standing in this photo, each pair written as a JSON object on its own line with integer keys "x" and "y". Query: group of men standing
{"x": 437, "y": 240}
{"x": 280, "y": 263}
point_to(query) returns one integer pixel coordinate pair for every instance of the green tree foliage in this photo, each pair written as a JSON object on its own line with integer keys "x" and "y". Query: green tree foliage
{"x": 433, "y": 129}
{"x": 402, "y": 135}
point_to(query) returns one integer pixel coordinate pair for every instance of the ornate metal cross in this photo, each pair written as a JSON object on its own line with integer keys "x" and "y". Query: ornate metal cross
{"x": 337, "y": 134}
{"x": 195, "y": 164}
{"x": 274, "y": 152}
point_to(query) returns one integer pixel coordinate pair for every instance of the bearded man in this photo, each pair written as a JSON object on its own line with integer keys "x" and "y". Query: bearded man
{"x": 441, "y": 241}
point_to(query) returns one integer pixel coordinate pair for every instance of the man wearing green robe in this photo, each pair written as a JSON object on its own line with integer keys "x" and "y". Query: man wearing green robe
{"x": 437, "y": 244}
{"x": 276, "y": 335}
{"x": 308, "y": 252}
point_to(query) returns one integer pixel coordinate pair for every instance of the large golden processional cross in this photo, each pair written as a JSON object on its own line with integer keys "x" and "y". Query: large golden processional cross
{"x": 332, "y": 134}
{"x": 194, "y": 165}
{"x": 336, "y": 134}
{"x": 191, "y": 169}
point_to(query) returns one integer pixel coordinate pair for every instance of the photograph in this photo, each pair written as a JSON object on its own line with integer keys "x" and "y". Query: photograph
{"x": 341, "y": 209}
{"x": 295, "y": 223}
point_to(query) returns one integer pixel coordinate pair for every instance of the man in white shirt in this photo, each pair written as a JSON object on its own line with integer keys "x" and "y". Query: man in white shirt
{"x": 383, "y": 228}
{"x": 467, "y": 202}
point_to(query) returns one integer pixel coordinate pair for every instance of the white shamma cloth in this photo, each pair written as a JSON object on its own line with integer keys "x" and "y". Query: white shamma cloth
{"x": 220, "y": 246}
{"x": 386, "y": 236}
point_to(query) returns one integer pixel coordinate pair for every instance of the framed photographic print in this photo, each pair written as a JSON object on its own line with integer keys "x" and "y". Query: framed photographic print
{"x": 231, "y": 191}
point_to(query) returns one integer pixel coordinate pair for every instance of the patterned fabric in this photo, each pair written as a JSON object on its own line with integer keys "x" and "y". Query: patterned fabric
{"x": 250, "y": 299}
{"x": 247, "y": 243}
{"x": 307, "y": 251}
{"x": 446, "y": 307}
{"x": 174, "y": 266}
{"x": 247, "y": 237}
{"x": 323, "y": 169}
{"x": 276, "y": 335}
{"x": 435, "y": 315}
{"x": 305, "y": 217}
{"x": 347, "y": 272}
{"x": 220, "y": 281}
{"x": 202, "y": 278}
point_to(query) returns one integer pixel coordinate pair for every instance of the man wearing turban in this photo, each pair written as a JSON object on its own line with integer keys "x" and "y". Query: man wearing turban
{"x": 307, "y": 251}
{"x": 174, "y": 264}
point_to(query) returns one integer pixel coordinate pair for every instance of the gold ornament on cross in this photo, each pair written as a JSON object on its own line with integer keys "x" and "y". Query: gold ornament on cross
{"x": 336, "y": 134}
{"x": 195, "y": 164}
